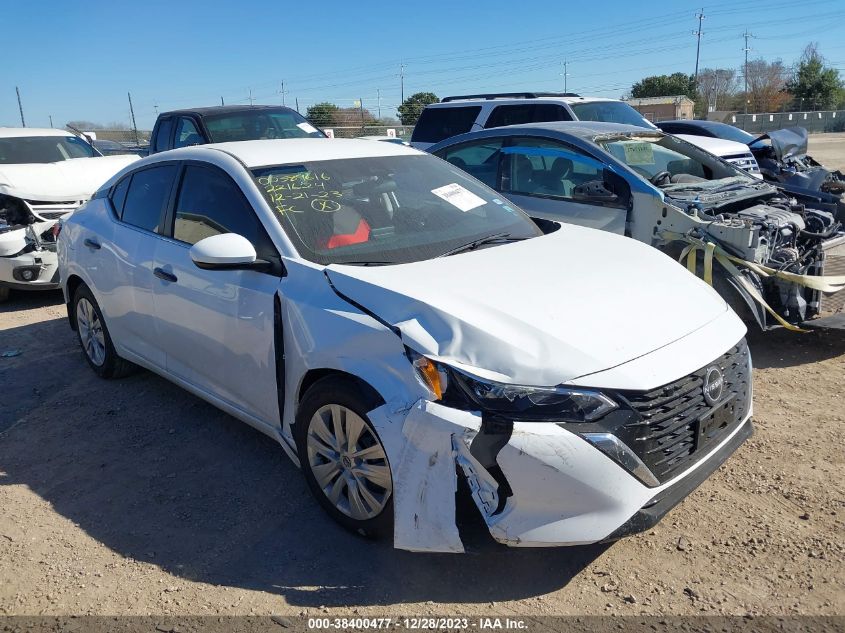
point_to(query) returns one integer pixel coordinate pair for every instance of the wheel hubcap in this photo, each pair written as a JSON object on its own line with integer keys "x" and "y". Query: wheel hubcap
{"x": 90, "y": 332}
{"x": 348, "y": 462}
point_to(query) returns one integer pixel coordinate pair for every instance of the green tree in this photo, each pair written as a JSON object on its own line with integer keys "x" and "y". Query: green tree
{"x": 411, "y": 108}
{"x": 322, "y": 114}
{"x": 665, "y": 86}
{"x": 814, "y": 84}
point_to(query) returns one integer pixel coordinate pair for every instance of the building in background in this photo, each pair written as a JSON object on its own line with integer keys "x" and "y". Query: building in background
{"x": 664, "y": 108}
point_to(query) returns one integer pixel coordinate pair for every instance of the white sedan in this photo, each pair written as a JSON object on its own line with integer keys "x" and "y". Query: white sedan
{"x": 44, "y": 174}
{"x": 390, "y": 321}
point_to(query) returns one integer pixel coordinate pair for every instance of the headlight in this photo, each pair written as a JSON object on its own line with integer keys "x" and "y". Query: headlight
{"x": 554, "y": 404}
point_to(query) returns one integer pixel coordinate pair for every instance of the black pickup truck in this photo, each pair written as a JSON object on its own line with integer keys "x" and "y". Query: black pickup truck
{"x": 220, "y": 124}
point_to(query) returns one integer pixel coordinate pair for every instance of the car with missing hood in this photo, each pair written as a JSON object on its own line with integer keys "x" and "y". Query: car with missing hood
{"x": 390, "y": 321}
{"x": 777, "y": 262}
{"x": 782, "y": 159}
{"x": 44, "y": 174}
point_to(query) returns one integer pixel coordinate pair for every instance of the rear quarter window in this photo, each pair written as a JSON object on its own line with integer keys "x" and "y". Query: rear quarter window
{"x": 526, "y": 113}
{"x": 435, "y": 124}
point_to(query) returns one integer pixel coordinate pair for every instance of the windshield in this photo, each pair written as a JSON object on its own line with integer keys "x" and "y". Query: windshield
{"x": 42, "y": 149}
{"x": 610, "y": 112}
{"x": 732, "y": 133}
{"x": 679, "y": 161}
{"x": 247, "y": 125}
{"x": 385, "y": 210}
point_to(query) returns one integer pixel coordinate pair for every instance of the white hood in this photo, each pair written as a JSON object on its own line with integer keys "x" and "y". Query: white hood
{"x": 538, "y": 312}
{"x": 717, "y": 146}
{"x": 74, "y": 179}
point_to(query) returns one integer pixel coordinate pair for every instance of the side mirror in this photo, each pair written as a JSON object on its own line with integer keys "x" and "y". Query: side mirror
{"x": 594, "y": 191}
{"x": 227, "y": 251}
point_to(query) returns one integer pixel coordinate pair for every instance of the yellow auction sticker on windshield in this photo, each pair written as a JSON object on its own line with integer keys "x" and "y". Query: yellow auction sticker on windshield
{"x": 638, "y": 153}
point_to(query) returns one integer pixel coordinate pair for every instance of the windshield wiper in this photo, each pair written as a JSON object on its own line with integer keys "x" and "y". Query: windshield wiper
{"x": 490, "y": 239}
{"x": 362, "y": 262}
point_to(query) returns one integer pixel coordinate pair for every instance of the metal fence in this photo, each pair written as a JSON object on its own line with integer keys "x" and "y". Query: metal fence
{"x": 824, "y": 121}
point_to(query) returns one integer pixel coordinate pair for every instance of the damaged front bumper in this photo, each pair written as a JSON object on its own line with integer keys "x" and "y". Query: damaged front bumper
{"x": 547, "y": 487}
{"x": 30, "y": 268}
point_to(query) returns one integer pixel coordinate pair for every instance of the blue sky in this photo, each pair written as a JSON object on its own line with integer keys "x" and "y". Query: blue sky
{"x": 78, "y": 60}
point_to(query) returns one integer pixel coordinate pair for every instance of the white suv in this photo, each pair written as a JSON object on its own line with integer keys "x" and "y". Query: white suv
{"x": 468, "y": 113}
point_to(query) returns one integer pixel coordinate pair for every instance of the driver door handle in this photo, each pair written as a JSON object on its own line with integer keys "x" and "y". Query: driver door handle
{"x": 91, "y": 244}
{"x": 164, "y": 275}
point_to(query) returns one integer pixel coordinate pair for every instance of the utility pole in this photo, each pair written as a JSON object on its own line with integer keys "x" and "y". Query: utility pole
{"x": 361, "y": 103}
{"x": 297, "y": 104}
{"x": 283, "y": 92}
{"x": 20, "y": 107}
{"x": 221, "y": 101}
{"x": 378, "y": 91}
{"x": 155, "y": 107}
{"x": 565, "y": 76}
{"x": 132, "y": 112}
{"x": 700, "y": 16}
{"x": 250, "y": 97}
{"x": 746, "y": 35}
{"x": 51, "y": 119}
{"x": 401, "y": 83}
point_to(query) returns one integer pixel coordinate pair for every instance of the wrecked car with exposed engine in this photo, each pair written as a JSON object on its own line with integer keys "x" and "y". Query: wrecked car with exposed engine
{"x": 780, "y": 157}
{"x": 778, "y": 262}
{"x": 44, "y": 175}
{"x": 389, "y": 320}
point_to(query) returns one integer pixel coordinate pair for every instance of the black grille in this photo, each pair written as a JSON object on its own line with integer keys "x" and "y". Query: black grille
{"x": 677, "y": 425}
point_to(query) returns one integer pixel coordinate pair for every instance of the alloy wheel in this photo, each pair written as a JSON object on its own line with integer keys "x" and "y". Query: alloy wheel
{"x": 348, "y": 462}
{"x": 90, "y": 330}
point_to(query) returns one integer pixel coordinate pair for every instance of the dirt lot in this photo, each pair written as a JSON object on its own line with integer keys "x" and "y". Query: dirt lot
{"x": 134, "y": 497}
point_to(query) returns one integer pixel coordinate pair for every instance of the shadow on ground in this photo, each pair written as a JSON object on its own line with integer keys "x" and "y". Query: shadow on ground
{"x": 782, "y": 348}
{"x": 158, "y": 475}
{"x": 28, "y": 300}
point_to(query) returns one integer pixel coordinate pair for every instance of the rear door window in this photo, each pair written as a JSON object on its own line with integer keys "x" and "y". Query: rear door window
{"x": 435, "y": 124}
{"x": 147, "y": 197}
{"x": 526, "y": 113}
{"x": 478, "y": 158}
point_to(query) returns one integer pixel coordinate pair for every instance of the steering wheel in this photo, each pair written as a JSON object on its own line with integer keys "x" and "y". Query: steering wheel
{"x": 659, "y": 176}
{"x": 415, "y": 218}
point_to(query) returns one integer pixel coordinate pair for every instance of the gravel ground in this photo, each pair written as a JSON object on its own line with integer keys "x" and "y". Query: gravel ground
{"x": 133, "y": 497}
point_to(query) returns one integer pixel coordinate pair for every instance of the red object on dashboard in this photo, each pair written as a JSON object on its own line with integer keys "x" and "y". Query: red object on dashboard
{"x": 361, "y": 234}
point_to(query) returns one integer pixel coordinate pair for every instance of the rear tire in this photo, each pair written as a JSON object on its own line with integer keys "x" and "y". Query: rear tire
{"x": 4, "y": 293}
{"x": 93, "y": 335}
{"x": 343, "y": 460}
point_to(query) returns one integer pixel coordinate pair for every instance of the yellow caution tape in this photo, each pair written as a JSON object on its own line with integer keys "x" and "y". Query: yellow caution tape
{"x": 829, "y": 283}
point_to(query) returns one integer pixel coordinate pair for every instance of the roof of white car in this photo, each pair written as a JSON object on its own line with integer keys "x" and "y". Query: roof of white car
{"x": 17, "y": 132}
{"x": 299, "y": 150}
{"x": 512, "y": 100}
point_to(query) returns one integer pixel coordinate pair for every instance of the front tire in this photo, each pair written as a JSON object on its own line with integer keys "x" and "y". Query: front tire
{"x": 342, "y": 457}
{"x": 94, "y": 337}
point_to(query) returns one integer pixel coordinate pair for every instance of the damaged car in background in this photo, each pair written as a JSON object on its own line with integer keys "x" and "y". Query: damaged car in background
{"x": 390, "y": 322}
{"x": 781, "y": 157}
{"x": 777, "y": 261}
{"x": 44, "y": 174}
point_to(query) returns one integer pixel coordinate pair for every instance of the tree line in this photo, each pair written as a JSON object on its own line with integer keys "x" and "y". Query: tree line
{"x": 772, "y": 87}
